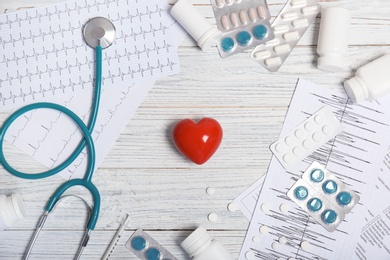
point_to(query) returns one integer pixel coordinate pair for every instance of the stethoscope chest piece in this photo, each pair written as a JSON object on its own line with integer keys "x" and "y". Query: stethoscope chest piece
{"x": 99, "y": 31}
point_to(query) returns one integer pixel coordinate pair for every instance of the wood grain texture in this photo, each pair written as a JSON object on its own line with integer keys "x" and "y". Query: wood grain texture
{"x": 145, "y": 176}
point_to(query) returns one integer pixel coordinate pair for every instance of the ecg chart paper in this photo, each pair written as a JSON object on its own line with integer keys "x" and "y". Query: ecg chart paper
{"x": 43, "y": 54}
{"x": 354, "y": 156}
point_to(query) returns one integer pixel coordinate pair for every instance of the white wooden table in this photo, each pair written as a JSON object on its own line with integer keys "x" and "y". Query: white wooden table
{"x": 146, "y": 177}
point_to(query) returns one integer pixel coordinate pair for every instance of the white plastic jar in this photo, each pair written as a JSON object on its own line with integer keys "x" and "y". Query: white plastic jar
{"x": 11, "y": 210}
{"x": 200, "y": 246}
{"x": 371, "y": 81}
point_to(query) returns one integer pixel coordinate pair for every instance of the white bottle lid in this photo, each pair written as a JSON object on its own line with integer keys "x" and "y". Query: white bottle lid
{"x": 356, "y": 89}
{"x": 196, "y": 242}
{"x": 18, "y": 206}
{"x": 195, "y": 24}
{"x": 11, "y": 209}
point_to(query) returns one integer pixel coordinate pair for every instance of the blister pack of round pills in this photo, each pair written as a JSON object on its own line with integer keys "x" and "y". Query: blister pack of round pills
{"x": 288, "y": 27}
{"x": 146, "y": 248}
{"x": 308, "y": 136}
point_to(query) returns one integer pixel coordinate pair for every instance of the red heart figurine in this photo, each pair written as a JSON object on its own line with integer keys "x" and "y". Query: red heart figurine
{"x": 197, "y": 141}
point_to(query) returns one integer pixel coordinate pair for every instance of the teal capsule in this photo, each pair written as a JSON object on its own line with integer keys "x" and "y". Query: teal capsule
{"x": 329, "y": 187}
{"x": 344, "y": 198}
{"x": 329, "y": 216}
{"x": 317, "y": 175}
{"x": 314, "y": 204}
{"x": 301, "y": 192}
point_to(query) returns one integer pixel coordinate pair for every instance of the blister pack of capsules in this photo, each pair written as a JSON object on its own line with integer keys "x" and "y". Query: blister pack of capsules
{"x": 244, "y": 25}
{"x": 307, "y": 137}
{"x": 146, "y": 248}
{"x": 324, "y": 196}
{"x": 288, "y": 27}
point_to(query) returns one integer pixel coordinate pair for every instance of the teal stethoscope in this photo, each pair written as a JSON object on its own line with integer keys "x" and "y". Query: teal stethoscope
{"x": 98, "y": 33}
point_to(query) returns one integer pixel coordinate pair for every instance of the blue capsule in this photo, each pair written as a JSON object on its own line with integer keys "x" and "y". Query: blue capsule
{"x": 301, "y": 192}
{"x": 227, "y": 44}
{"x": 329, "y": 216}
{"x": 244, "y": 38}
{"x": 314, "y": 204}
{"x": 329, "y": 187}
{"x": 260, "y": 32}
{"x": 153, "y": 254}
{"x": 344, "y": 198}
{"x": 138, "y": 243}
{"x": 317, "y": 175}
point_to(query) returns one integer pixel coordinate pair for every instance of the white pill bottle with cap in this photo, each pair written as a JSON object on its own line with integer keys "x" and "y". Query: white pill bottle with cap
{"x": 11, "y": 210}
{"x": 200, "y": 246}
{"x": 371, "y": 81}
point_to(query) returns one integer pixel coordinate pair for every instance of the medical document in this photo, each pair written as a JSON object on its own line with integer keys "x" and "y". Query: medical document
{"x": 352, "y": 156}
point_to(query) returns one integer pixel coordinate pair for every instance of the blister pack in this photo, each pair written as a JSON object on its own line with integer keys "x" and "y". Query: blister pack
{"x": 324, "y": 196}
{"x": 146, "y": 248}
{"x": 244, "y": 25}
{"x": 308, "y": 136}
{"x": 288, "y": 27}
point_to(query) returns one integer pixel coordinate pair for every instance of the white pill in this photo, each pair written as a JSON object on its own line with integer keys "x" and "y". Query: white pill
{"x": 219, "y": 3}
{"x": 309, "y": 126}
{"x": 243, "y": 18}
{"x": 289, "y": 140}
{"x": 300, "y": 23}
{"x": 317, "y": 137}
{"x": 296, "y": 3}
{"x": 319, "y": 119}
{"x": 276, "y": 245}
{"x": 282, "y": 240}
{"x": 290, "y": 16}
{"x": 287, "y": 158}
{"x": 252, "y": 14}
{"x": 232, "y": 207}
{"x": 291, "y": 36}
{"x": 305, "y": 245}
{"x": 273, "y": 62}
{"x": 298, "y": 151}
{"x": 281, "y": 49}
{"x": 212, "y": 217}
{"x": 234, "y": 20}
{"x": 309, "y": 10}
{"x": 261, "y": 55}
{"x": 272, "y": 42}
{"x": 282, "y": 28}
{"x": 262, "y": 12}
{"x": 264, "y": 207}
{"x": 210, "y": 191}
{"x": 284, "y": 207}
{"x": 264, "y": 230}
{"x": 327, "y": 129}
{"x": 307, "y": 144}
{"x": 255, "y": 239}
{"x": 225, "y": 22}
{"x": 299, "y": 133}
{"x": 280, "y": 148}
{"x": 250, "y": 255}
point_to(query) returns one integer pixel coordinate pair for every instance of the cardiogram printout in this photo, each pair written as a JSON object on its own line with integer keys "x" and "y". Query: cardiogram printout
{"x": 43, "y": 54}
{"x": 354, "y": 156}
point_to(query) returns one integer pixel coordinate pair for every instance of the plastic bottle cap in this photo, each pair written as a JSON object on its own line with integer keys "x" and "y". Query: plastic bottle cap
{"x": 18, "y": 205}
{"x": 196, "y": 242}
{"x": 356, "y": 90}
{"x": 330, "y": 63}
{"x": 209, "y": 38}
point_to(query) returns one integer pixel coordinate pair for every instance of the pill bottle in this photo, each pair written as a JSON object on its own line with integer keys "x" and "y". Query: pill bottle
{"x": 200, "y": 246}
{"x": 195, "y": 24}
{"x": 333, "y": 38}
{"x": 11, "y": 210}
{"x": 371, "y": 81}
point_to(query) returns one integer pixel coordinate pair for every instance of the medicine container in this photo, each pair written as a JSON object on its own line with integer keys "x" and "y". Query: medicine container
{"x": 11, "y": 210}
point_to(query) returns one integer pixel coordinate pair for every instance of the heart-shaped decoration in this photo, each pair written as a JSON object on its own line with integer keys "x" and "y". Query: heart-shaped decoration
{"x": 197, "y": 141}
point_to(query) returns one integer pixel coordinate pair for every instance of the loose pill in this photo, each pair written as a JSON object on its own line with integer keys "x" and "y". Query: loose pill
{"x": 281, "y": 49}
{"x": 273, "y": 62}
{"x": 260, "y": 32}
{"x": 227, "y": 44}
{"x": 255, "y": 239}
{"x": 210, "y": 191}
{"x": 282, "y": 240}
{"x": 243, "y": 18}
{"x": 301, "y": 192}
{"x": 250, "y": 255}
{"x": 264, "y": 230}
{"x": 212, "y": 217}
{"x": 276, "y": 245}
{"x": 265, "y": 207}
{"x": 252, "y": 14}
{"x": 317, "y": 175}
{"x": 284, "y": 207}
{"x": 305, "y": 245}
{"x": 232, "y": 207}
{"x": 291, "y": 36}
{"x": 261, "y": 55}
{"x": 300, "y": 23}
{"x": 225, "y": 22}
{"x": 234, "y": 20}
